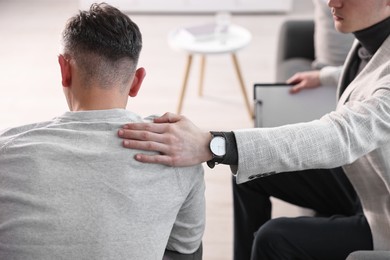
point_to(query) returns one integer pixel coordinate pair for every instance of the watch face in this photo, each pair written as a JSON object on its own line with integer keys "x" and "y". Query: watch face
{"x": 218, "y": 146}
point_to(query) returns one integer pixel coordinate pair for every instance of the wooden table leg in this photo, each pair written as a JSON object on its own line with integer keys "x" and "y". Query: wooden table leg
{"x": 237, "y": 67}
{"x": 201, "y": 76}
{"x": 185, "y": 81}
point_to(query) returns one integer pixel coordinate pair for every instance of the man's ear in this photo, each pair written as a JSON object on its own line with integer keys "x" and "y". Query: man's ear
{"x": 66, "y": 73}
{"x": 137, "y": 82}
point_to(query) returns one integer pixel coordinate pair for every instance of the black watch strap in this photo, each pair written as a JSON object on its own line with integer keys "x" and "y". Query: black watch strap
{"x": 231, "y": 157}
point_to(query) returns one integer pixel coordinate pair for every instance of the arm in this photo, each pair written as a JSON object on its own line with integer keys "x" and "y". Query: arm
{"x": 327, "y": 76}
{"x": 330, "y": 75}
{"x": 338, "y": 138}
{"x": 187, "y": 231}
{"x": 177, "y": 139}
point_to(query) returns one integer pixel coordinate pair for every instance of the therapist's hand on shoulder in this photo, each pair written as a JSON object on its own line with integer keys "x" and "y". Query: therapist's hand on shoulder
{"x": 304, "y": 80}
{"x": 176, "y": 139}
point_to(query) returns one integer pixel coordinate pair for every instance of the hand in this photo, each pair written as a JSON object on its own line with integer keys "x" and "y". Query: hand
{"x": 178, "y": 141}
{"x": 304, "y": 80}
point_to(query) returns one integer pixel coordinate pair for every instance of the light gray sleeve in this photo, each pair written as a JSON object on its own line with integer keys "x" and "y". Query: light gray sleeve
{"x": 338, "y": 138}
{"x": 188, "y": 229}
{"x": 330, "y": 75}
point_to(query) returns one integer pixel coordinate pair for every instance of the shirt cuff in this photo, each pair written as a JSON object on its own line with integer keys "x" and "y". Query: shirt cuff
{"x": 231, "y": 156}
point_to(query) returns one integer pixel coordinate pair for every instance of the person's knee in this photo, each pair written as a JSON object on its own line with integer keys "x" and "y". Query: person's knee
{"x": 271, "y": 239}
{"x": 272, "y": 231}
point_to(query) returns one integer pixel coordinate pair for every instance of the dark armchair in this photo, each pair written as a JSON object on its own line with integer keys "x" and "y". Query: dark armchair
{"x": 295, "y": 51}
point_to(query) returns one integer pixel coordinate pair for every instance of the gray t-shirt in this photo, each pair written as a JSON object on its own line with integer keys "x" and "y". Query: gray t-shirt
{"x": 69, "y": 190}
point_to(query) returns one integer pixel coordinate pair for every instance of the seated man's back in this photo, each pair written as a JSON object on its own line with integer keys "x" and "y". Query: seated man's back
{"x": 69, "y": 190}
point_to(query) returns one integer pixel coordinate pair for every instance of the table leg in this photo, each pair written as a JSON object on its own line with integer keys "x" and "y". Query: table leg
{"x": 185, "y": 81}
{"x": 237, "y": 67}
{"x": 201, "y": 76}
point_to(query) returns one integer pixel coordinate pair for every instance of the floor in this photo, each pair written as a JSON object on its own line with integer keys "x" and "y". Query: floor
{"x": 31, "y": 89}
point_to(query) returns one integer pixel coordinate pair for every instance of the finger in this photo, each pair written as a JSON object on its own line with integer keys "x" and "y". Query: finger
{"x": 168, "y": 118}
{"x": 295, "y": 79}
{"x": 157, "y": 159}
{"x": 145, "y": 146}
{"x": 149, "y": 127}
{"x": 295, "y": 89}
{"x": 140, "y": 135}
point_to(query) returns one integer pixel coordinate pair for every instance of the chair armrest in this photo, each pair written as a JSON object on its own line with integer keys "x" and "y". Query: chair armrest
{"x": 172, "y": 255}
{"x": 369, "y": 255}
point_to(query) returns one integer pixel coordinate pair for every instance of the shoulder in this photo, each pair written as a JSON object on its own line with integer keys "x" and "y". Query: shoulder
{"x": 150, "y": 118}
{"x": 9, "y": 134}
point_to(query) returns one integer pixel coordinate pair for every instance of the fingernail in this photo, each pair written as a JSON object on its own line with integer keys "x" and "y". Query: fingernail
{"x": 120, "y": 132}
{"x": 126, "y": 142}
{"x": 125, "y": 126}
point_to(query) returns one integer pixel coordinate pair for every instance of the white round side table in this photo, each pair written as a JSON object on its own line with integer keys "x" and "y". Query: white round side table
{"x": 233, "y": 40}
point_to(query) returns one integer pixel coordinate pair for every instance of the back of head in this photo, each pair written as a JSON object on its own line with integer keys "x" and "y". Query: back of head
{"x": 104, "y": 42}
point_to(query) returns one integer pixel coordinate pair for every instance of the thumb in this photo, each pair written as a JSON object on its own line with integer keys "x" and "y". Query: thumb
{"x": 167, "y": 118}
{"x": 295, "y": 79}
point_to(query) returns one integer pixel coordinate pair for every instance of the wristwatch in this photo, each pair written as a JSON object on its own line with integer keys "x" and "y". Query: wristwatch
{"x": 217, "y": 148}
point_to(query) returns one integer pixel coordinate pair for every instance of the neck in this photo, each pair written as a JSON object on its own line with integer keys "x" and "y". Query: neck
{"x": 372, "y": 37}
{"x": 96, "y": 99}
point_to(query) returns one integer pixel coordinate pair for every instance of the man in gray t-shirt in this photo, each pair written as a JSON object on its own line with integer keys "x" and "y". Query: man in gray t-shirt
{"x": 68, "y": 189}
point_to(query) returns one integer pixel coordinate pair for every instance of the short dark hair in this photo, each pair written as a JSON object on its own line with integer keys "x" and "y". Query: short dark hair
{"x": 102, "y": 33}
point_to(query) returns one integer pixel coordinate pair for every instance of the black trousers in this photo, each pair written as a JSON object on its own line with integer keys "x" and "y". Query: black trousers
{"x": 338, "y": 228}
